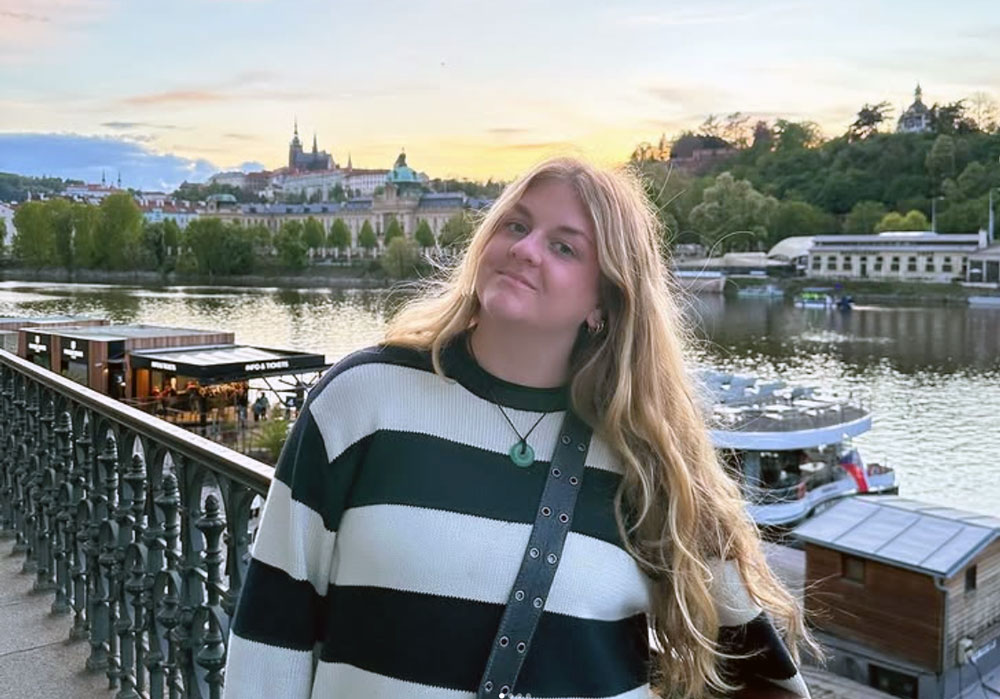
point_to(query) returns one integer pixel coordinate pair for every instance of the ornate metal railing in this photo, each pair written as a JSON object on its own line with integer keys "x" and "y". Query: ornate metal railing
{"x": 139, "y": 528}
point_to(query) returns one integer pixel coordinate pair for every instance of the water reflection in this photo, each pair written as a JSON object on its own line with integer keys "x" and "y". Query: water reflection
{"x": 931, "y": 375}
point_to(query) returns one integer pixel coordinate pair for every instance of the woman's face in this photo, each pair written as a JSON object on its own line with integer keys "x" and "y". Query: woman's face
{"x": 540, "y": 271}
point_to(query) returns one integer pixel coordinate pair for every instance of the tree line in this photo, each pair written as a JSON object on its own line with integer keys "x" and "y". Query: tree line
{"x": 774, "y": 180}
{"x": 114, "y": 236}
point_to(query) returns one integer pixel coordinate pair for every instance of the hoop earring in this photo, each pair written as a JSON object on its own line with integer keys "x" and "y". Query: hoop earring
{"x": 595, "y": 330}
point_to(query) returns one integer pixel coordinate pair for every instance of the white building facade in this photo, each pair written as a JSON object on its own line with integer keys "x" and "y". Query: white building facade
{"x": 905, "y": 256}
{"x": 6, "y": 225}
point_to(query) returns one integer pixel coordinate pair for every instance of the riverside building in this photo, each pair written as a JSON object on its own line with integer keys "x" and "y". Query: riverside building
{"x": 902, "y": 256}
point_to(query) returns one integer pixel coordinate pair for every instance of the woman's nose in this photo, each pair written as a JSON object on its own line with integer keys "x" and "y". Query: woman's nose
{"x": 528, "y": 248}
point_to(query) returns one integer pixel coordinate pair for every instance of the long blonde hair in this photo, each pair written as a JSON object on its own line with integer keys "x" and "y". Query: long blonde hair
{"x": 676, "y": 509}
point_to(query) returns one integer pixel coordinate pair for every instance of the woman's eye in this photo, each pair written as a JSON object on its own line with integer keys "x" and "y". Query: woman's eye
{"x": 516, "y": 227}
{"x": 563, "y": 249}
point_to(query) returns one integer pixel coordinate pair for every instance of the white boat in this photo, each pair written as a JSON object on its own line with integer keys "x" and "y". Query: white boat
{"x": 818, "y": 297}
{"x": 984, "y": 301}
{"x": 790, "y": 448}
{"x": 701, "y": 281}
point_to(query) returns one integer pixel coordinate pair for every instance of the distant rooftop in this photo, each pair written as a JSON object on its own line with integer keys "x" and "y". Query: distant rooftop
{"x": 918, "y": 536}
{"x": 122, "y": 332}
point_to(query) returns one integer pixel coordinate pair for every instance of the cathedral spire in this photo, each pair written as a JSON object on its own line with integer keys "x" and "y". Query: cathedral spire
{"x": 315, "y": 149}
{"x": 296, "y": 134}
{"x": 918, "y": 93}
{"x": 349, "y": 166}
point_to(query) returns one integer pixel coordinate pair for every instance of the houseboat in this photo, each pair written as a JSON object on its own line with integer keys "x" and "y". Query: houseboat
{"x": 821, "y": 297}
{"x": 790, "y": 448}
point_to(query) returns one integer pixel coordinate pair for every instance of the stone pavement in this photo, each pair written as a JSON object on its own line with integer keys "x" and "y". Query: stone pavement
{"x": 37, "y": 660}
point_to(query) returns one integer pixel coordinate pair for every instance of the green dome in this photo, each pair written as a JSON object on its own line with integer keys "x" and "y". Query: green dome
{"x": 402, "y": 173}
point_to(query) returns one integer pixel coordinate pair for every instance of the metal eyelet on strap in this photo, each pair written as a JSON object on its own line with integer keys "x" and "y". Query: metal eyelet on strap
{"x": 504, "y": 641}
{"x": 566, "y": 439}
{"x": 521, "y": 647}
{"x": 504, "y": 692}
{"x": 519, "y": 595}
{"x": 563, "y": 517}
{"x": 551, "y": 558}
{"x": 488, "y": 686}
{"x": 573, "y": 480}
{"x": 546, "y": 511}
{"x": 556, "y": 473}
{"x": 581, "y": 447}
{"x": 537, "y": 603}
{"x": 533, "y": 552}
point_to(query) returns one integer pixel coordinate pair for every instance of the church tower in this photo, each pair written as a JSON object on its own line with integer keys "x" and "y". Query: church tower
{"x": 295, "y": 148}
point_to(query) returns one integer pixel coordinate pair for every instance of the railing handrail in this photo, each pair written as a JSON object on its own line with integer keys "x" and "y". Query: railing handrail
{"x": 242, "y": 469}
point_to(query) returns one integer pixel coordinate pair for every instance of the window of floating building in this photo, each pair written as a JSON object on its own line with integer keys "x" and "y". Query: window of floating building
{"x": 894, "y": 266}
{"x": 911, "y": 264}
{"x": 965, "y": 265}
{"x": 852, "y": 568}
{"x": 946, "y": 267}
{"x": 878, "y": 263}
{"x": 970, "y": 578}
{"x": 897, "y": 684}
{"x": 847, "y": 263}
{"x": 831, "y": 262}
{"x": 929, "y": 264}
{"x": 817, "y": 262}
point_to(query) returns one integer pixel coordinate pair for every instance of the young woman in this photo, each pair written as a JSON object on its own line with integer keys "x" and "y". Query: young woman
{"x": 405, "y": 497}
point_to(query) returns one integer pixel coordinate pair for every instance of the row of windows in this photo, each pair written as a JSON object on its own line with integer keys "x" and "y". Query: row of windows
{"x": 912, "y": 265}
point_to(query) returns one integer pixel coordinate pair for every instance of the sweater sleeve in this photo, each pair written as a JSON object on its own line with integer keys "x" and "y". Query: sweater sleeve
{"x": 747, "y": 632}
{"x": 282, "y": 606}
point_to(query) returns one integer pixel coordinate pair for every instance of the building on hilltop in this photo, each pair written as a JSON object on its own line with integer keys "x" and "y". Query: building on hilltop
{"x": 917, "y": 117}
{"x": 696, "y": 154}
{"x": 300, "y": 160}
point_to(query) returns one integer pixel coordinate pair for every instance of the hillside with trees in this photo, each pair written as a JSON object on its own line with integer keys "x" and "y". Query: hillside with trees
{"x": 775, "y": 179}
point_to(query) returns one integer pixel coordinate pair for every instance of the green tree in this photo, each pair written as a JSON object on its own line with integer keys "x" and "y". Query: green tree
{"x": 154, "y": 244}
{"x": 793, "y": 135}
{"x": 86, "y": 221}
{"x": 798, "y": 218}
{"x": 60, "y": 213}
{"x": 974, "y": 180}
{"x": 119, "y": 233}
{"x": 312, "y": 234}
{"x": 733, "y": 215}
{"x": 171, "y": 236}
{"x": 34, "y": 241}
{"x": 456, "y": 231}
{"x": 340, "y": 235}
{"x": 864, "y": 217}
{"x": 204, "y": 238}
{"x": 894, "y": 221}
{"x": 392, "y": 231}
{"x": 964, "y": 216}
{"x": 424, "y": 235}
{"x": 401, "y": 258}
{"x": 366, "y": 237}
{"x": 292, "y": 250}
{"x": 3, "y": 236}
{"x": 870, "y": 117}
{"x": 941, "y": 158}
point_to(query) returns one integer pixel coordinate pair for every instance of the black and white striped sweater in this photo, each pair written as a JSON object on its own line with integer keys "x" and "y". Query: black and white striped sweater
{"x": 394, "y": 529}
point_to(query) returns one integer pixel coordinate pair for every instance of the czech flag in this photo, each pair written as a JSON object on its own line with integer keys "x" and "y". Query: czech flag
{"x": 851, "y": 462}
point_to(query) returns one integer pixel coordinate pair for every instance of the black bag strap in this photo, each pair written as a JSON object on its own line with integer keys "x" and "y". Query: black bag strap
{"x": 541, "y": 558}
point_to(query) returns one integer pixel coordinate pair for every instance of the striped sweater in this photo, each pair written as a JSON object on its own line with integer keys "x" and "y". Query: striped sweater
{"x": 394, "y": 529}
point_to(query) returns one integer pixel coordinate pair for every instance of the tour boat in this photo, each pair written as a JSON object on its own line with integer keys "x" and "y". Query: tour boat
{"x": 820, "y": 297}
{"x": 790, "y": 448}
{"x": 765, "y": 291}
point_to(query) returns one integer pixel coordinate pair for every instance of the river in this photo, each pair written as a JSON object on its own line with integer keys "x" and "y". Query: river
{"x": 931, "y": 375}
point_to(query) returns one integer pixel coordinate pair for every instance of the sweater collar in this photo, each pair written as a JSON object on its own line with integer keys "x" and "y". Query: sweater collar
{"x": 460, "y": 365}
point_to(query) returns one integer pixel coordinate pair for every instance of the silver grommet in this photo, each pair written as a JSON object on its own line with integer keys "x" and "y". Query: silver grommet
{"x": 551, "y": 558}
{"x": 566, "y": 439}
{"x": 563, "y": 517}
{"x": 519, "y": 595}
{"x": 573, "y": 480}
{"x": 504, "y": 692}
{"x": 533, "y": 552}
{"x": 488, "y": 686}
{"x": 546, "y": 511}
{"x": 581, "y": 447}
{"x": 556, "y": 472}
{"x": 504, "y": 641}
{"x": 537, "y": 603}
{"x": 521, "y": 647}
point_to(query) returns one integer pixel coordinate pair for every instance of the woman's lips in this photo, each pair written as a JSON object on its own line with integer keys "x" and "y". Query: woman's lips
{"x": 520, "y": 281}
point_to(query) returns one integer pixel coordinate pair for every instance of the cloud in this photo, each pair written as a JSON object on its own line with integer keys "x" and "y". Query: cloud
{"x": 30, "y": 26}
{"x": 175, "y": 97}
{"x": 86, "y": 157}
{"x": 128, "y": 125}
{"x": 240, "y": 136}
{"x": 720, "y": 14}
{"x": 23, "y": 16}
{"x": 506, "y": 131}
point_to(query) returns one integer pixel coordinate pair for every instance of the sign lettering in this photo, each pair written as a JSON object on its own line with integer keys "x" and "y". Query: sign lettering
{"x": 266, "y": 366}
{"x": 73, "y": 353}
{"x": 165, "y": 366}
{"x": 38, "y": 347}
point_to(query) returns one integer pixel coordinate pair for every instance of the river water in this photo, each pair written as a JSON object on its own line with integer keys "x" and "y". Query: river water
{"x": 931, "y": 375}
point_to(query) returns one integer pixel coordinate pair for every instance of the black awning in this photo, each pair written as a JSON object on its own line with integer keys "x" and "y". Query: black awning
{"x": 219, "y": 364}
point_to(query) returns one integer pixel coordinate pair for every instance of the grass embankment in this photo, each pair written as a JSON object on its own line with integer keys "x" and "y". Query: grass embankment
{"x": 869, "y": 290}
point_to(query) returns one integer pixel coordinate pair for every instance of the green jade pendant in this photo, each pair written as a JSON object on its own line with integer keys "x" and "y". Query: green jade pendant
{"x": 522, "y": 454}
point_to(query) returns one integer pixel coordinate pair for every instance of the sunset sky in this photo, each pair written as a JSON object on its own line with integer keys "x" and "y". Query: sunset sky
{"x": 167, "y": 91}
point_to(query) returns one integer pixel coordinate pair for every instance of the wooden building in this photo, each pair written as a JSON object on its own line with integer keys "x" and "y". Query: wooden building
{"x": 98, "y": 356}
{"x": 10, "y": 338}
{"x": 905, "y": 595}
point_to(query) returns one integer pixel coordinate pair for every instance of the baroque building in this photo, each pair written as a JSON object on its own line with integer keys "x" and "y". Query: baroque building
{"x": 917, "y": 117}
